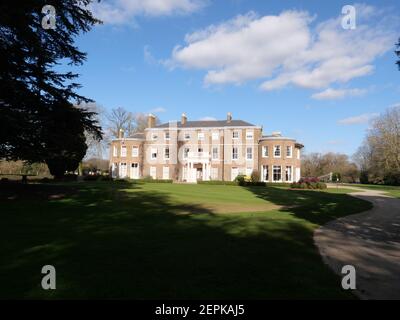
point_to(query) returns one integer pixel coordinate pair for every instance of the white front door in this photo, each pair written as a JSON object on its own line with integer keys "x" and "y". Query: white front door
{"x": 199, "y": 174}
{"x": 234, "y": 173}
{"x": 122, "y": 170}
{"x": 134, "y": 174}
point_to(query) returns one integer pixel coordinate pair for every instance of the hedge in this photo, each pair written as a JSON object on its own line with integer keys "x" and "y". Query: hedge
{"x": 218, "y": 182}
{"x": 233, "y": 183}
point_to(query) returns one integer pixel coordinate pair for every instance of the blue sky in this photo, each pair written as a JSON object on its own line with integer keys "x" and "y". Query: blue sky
{"x": 286, "y": 65}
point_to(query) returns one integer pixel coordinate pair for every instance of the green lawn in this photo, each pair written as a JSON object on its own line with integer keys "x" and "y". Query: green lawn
{"x": 122, "y": 240}
{"x": 393, "y": 191}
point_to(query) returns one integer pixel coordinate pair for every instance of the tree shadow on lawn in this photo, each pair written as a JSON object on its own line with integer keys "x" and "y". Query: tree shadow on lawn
{"x": 106, "y": 242}
{"x": 317, "y": 207}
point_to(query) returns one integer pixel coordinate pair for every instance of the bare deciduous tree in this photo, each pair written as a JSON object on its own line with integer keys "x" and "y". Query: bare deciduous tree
{"x": 317, "y": 164}
{"x": 140, "y": 121}
{"x": 120, "y": 119}
{"x": 380, "y": 153}
{"x": 129, "y": 122}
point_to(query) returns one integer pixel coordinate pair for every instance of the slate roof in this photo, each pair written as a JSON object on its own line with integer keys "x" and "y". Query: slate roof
{"x": 208, "y": 124}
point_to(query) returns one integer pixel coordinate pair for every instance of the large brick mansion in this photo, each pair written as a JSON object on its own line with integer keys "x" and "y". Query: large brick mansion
{"x": 189, "y": 151}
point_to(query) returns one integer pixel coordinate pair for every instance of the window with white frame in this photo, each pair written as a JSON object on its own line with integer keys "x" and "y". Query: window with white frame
{"x": 265, "y": 152}
{"x": 114, "y": 169}
{"x": 135, "y": 151}
{"x": 289, "y": 174}
{"x": 298, "y": 153}
{"x": 215, "y": 135}
{"x": 166, "y": 153}
{"x": 115, "y": 151}
{"x": 235, "y": 135}
{"x": 123, "y": 151}
{"x": 154, "y": 136}
{"x": 123, "y": 170}
{"x": 249, "y": 135}
{"x": 235, "y": 154}
{"x": 288, "y": 151}
{"x": 165, "y": 173}
{"x": 167, "y": 136}
{"x": 153, "y": 153}
{"x": 214, "y": 173}
{"x": 186, "y": 153}
{"x": 277, "y": 151}
{"x": 277, "y": 173}
{"x": 249, "y": 153}
{"x": 215, "y": 153}
{"x": 200, "y": 136}
{"x": 265, "y": 173}
{"x": 187, "y": 136}
{"x": 153, "y": 172}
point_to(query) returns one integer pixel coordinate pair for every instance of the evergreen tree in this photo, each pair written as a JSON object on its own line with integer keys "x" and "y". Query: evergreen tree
{"x": 36, "y": 101}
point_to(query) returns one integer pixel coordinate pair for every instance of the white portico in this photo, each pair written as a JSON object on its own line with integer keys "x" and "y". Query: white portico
{"x": 197, "y": 167}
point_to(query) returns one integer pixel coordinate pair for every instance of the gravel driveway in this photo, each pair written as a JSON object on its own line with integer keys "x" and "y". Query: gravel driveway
{"x": 370, "y": 241}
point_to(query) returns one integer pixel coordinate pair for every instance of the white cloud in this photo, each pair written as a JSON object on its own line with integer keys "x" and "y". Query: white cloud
{"x": 331, "y": 94}
{"x": 124, "y": 11}
{"x": 286, "y": 50}
{"x": 208, "y": 119}
{"x": 360, "y": 119}
{"x": 158, "y": 110}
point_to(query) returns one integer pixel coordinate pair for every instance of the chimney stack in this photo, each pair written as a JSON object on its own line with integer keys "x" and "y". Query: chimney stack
{"x": 229, "y": 117}
{"x": 151, "y": 121}
{"x": 120, "y": 133}
{"x": 183, "y": 119}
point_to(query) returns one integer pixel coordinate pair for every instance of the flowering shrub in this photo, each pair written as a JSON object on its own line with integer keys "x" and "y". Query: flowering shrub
{"x": 308, "y": 183}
